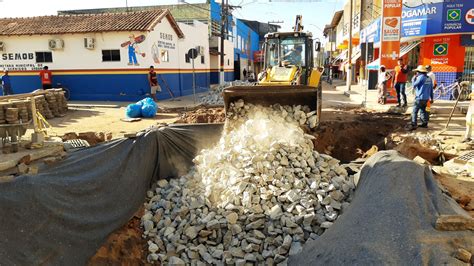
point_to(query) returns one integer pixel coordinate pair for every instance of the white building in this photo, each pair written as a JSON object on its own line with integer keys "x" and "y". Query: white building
{"x": 105, "y": 56}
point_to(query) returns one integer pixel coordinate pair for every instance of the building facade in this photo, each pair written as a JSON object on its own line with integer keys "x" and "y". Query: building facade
{"x": 106, "y": 56}
{"x": 256, "y": 51}
{"x": 246, "y": 43}
{"x": 438, "y": 33}
{"x": 208, "y": 13}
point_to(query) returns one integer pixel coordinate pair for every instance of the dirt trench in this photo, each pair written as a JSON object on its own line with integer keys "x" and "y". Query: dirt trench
{"x": 203, "y": 115}
{"x": 125, "y": 246}
{"x": 346, "y": 136}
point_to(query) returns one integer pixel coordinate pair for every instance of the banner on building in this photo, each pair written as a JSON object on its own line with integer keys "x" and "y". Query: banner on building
{"x": 390, "y": 39}
{"x": 371, "y": 33}
{"x": 438, "y": 17}
{"x": 390, "y": 35}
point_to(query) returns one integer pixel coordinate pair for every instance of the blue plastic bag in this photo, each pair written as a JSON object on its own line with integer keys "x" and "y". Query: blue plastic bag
{"x": 147, "y": 100}
{"x": 149, "y": 110}
{"x": 133, "y": 110}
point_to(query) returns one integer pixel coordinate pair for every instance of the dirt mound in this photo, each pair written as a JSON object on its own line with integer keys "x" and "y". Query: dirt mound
{"x": 203, "y": 115}
{"x": 412, "y": 147}
{"x": 462, "y": 191}
{"x": 93, "y": 138}
{"x": 347, "y": 138}
{"x": 125, "y": 246}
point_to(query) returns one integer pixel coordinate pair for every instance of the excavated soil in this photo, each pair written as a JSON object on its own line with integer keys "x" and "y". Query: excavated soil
{"x": 125, "y": 246}
{"x": 461, "y": 191}
{"x": 349, "y": 135}
{"x": 203, "y": 115}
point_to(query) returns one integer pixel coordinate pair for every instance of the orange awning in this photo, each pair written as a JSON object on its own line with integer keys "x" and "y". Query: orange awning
{"x": 355, "y": 41}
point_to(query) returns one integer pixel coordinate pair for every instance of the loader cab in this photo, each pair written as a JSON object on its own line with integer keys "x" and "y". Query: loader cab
{"x": 289, "y": 52}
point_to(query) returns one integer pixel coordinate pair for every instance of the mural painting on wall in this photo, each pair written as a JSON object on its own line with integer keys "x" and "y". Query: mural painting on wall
{"x": 133, "y": 48}
{"x": 160, "y": 49}
{"x": 155, "y": 53}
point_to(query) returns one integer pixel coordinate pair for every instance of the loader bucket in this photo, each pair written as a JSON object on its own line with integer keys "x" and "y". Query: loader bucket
{"x": 269, "y": 95}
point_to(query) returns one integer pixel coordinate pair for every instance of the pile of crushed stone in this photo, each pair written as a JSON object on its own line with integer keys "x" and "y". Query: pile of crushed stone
{"x": 256, "y": 197}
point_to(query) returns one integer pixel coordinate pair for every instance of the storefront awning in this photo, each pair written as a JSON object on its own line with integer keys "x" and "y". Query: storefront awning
{"x": 407, "y": 48}
{"x": 356, "y": 56}
{"x": 375, "y": 65}
{"x": 341, "y": 56}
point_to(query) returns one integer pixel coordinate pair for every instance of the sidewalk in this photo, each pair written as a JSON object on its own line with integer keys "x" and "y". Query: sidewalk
{"x": 179, "y": 102}
{"x": 439, "y": 115}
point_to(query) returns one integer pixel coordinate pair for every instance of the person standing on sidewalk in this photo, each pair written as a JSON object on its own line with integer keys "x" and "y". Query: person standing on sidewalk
{"x": 435, "y": 84}
{"x": 46, "y": 78}
{"x": 153, "y": 81}
{"x": 6, "y": 84}
{"x": 423, "y": 93}
{"x": 400, "y": 82}
{"x": 432, "y": 76}
{"x": 469, "y": 120}
{"x": 383, "y": 78}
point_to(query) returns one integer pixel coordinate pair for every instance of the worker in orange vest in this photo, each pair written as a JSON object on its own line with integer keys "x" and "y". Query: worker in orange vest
{"x": 401, "y": 71}
{"x": 46, "y": 78}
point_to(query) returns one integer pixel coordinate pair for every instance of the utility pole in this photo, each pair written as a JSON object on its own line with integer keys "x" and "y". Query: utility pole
{"x": 224, "y": 34}
{"x": 331, "y": 39}
{"x": 349, "y": 54}
{"x": 223, "y": 31}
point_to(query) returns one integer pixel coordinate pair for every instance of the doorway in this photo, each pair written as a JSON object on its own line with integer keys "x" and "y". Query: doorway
{"x": 237, "y": 67}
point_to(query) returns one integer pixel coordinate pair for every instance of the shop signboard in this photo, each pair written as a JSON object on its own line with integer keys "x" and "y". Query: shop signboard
{"x": 371, "y": 33}
{"x": 438, "y": 17}
{"x": 390, "y": 39}
{"x": 390, "y": 33}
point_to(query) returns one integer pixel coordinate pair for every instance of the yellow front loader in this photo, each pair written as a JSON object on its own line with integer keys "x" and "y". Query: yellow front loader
{"x": 289, "y": 76}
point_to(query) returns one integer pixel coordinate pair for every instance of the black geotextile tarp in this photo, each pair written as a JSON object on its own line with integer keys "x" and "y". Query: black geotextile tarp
{"x": 63, "y": 215}
{"x": 390, "y": 221}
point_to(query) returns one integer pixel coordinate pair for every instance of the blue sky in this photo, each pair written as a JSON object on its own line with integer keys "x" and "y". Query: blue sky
{"x": 313, "y": 11}
{"x": 315, "y": 14}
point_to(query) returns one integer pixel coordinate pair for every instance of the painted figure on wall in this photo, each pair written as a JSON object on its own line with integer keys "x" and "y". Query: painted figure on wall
{"x": 155, "y": 53}
{"x": 133, "y": 49}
